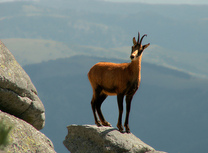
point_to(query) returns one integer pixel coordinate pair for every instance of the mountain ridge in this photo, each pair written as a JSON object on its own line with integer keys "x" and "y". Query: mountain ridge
{"x": 79, "y": 61}
{"x": 44, "y": 50}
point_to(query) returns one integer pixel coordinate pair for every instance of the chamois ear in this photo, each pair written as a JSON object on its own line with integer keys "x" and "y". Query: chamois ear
{"x": 145, "y": 46}
{"x": 134, "y": 41}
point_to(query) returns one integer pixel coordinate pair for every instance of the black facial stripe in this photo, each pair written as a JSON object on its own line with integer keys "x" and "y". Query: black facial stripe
{"x": 139, "y": 53}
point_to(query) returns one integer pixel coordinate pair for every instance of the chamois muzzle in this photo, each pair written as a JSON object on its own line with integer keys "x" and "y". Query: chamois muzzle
{"x": 135, "y": 54}
{"x": 131, "y": 57}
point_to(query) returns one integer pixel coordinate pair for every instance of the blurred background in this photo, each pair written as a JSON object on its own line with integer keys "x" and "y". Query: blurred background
{"x": 58, "y": 41}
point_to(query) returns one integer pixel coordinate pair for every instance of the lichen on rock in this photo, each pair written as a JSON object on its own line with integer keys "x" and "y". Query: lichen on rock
{"x": 18, "y": 95}
{"x": 23, "y": 137}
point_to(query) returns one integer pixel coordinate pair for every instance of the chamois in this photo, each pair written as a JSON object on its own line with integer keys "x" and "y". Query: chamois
{"x": 116, "y": 79}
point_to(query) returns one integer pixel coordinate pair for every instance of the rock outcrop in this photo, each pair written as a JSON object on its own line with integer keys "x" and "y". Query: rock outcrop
{"x": 93, "y": 139}
{"x": 23, "y": 137}
{"x": 18, "y": 96}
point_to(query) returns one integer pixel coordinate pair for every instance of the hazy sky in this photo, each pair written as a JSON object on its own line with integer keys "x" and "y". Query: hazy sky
{"x": 165, "y": 1}
{"x": 146, "y": 1}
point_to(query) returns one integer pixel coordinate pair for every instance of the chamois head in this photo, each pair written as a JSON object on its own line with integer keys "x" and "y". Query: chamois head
{"x": 137, "y": 48}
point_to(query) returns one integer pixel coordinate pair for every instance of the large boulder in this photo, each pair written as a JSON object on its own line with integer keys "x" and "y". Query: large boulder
{"x": 18, "y": 96}
{"x": 93, "y": 139}
{"x": 23, "y": 137}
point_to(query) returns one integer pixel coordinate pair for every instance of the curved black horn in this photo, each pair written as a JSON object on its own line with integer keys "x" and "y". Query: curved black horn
{"x": 142, "y": 39}
{"x": 138, "y": 37}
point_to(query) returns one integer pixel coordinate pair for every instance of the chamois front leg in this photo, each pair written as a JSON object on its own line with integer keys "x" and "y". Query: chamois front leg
{"x": 120, "y": 107}
{"x": 128, "y": 107}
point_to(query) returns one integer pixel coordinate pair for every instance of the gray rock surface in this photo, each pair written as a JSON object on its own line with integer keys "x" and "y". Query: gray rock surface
{"x": 24, "y": 137}
{"x": 156, "y": 151}
{"x": 93, "y": 139}
{"x": 18, "y": 96}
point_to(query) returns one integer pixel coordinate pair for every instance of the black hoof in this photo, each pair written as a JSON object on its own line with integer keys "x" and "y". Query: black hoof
{"x": 120, "y": 128}
{"x": 98, "y": 123}
{"x": 105, "y": 123}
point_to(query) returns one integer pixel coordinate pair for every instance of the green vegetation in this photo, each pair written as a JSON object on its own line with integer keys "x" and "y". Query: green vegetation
{"x": 4, "y": 134}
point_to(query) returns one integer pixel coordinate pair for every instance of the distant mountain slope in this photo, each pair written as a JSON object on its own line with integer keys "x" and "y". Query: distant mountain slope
{"x": 169, "y": 111}
{"x": 179, "y": 27}
{"x": 32, "y": 51}
{"x": 177, "y": 33}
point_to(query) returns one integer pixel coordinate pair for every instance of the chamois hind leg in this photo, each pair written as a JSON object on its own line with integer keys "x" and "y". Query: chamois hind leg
{"x": 128, "y": 107}
{"x": 93, "y": 105}
{"x": 120, "y": 107}
{"x": 100, "y": 100}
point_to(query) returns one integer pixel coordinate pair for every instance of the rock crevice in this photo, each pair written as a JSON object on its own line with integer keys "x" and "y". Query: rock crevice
{"x": 18, "y": 95}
